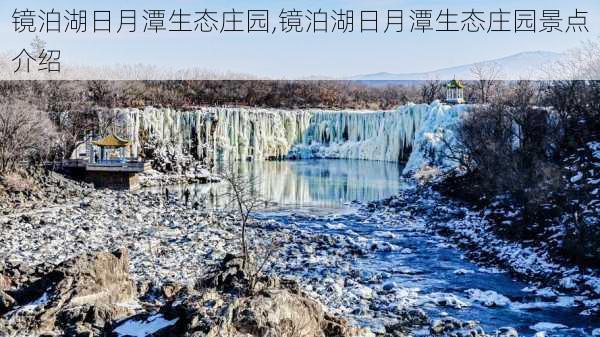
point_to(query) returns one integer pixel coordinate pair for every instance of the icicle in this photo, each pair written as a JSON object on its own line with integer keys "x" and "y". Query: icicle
{"x": 213, "y": 133}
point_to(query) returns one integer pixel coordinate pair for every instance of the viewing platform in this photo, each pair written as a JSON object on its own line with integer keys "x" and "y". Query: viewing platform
{"x": 135, "y": 166}
{"x": 105, "y": 164}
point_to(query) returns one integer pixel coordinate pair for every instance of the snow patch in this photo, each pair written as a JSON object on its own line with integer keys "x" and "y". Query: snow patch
{"x": 577, "y": 177}
{"x": 546, "y": 326}
{"x": 489, "y": 298}
{"x": 142, "y": 328}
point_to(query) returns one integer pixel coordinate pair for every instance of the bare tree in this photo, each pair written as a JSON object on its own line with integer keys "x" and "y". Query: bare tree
{"x": 243, "y": 197}
{"x": 486, "y": 75}
{"x": 25, "y": 134}
{"x": 581, "y": 63}
{"x": 73, "y": 126}
{"x": 431, "y": 90}
{"x": 457, "y": 152}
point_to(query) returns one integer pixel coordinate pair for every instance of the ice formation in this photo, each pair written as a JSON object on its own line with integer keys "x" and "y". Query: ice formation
{"x": 370, "y": 135}
{"x": 431, "y": 139}
{"x": 220, "y": 133}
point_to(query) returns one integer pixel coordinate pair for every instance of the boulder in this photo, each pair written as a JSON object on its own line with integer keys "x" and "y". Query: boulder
{"x": 220, "y": 305}
{"x": 278, "y": 312}
{"x": 450, "y": 326}
{"x": 92, "y": 289}
{"x": 270, "y": 312}
{"x": 5, "y": 282}
{"x": 6, "y": 302}
{"x": 228, "y": 277}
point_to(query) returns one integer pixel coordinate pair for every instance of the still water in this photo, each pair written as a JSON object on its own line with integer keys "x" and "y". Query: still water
{"x": 309, "y": 192}
{"x": 308, "y": 185}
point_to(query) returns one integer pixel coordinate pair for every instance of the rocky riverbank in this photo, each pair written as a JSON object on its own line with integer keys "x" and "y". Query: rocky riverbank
{"x": 94, "y": 295}
{"x": 38, "y": 189}
{"x": 558, "y": 283}
{"x": 154, "y": 178}
{"x": 170, "y": 248}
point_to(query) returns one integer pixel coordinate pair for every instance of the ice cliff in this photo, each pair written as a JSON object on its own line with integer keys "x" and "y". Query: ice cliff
{"x": 368, "y": 135}
{"x": 217, "y": 133}
{"x": 409, "y": 133}
{"x": 437, "y": 131}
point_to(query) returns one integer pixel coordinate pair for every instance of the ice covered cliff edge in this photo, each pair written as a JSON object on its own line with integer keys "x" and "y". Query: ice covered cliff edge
{"x": 409, "y": 133}
{"x": 368, "y": 135}
{"x": 437, "y": 131}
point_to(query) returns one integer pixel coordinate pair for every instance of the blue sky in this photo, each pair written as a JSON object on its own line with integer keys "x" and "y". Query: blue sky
{"x": 301, "y": 54}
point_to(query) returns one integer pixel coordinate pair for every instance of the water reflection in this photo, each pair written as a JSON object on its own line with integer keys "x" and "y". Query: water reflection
{"x": 309, "y": 183}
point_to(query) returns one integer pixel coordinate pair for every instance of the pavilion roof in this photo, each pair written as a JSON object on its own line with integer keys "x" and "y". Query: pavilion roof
{"x": 112, "y": 141}
{"x": 454, "y": 84}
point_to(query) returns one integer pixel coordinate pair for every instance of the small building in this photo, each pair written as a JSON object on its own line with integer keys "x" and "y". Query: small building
{"x": 455, "y": 92}
{"x": 112, "y": 150}
{"x": 108, "y": 164}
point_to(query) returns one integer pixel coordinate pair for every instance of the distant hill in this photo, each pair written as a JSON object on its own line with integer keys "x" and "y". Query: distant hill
{"x": 526, "y": 65}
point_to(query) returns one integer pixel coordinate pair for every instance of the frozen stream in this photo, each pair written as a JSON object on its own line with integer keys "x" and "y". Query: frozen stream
{"x": 320, "y": 196}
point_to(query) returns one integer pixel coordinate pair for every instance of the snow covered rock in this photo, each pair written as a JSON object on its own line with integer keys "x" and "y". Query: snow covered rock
{"x": 363, "y": 292}
{"x": 92, "y": 287}
{"x": 546, "y": 326}
{"x": 216, "y": 307}
{"x": 446, "y": 300}
{"x": 488, "y": 298}
{"x": 507, "y": 332}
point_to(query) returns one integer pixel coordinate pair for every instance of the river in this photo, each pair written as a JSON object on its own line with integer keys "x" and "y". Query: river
{"x": 325, "y": 196}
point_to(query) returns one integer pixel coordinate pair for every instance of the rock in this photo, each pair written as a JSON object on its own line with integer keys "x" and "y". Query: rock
{"x": 281, "y": 313}
{"x": 488, "y": 298}
{"x": 217, "y": 307}
{"x": 91, "y": 288}
{"x": 389, "y": 286}
{"x": 414, "y": 317}
{"x": 5, "y": 282}
{"x": 408, "y": 319}
{"x": 6, "y": 302}
{"x": 445, "y": 325}
{"x": 169, "y": 289}
{"x": 437, "y": 327}
{"x": 507, "y": 332}
{"x": 228, "y": 277}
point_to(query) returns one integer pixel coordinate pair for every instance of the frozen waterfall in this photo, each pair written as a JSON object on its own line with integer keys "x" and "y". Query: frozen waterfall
{"x": 369, "y": 135}
{"x": 217, "y": 133}
{"x": 220, "y": 133}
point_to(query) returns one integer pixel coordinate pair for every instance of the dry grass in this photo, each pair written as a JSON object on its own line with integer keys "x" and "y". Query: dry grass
{"x": 15, "y": 182}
